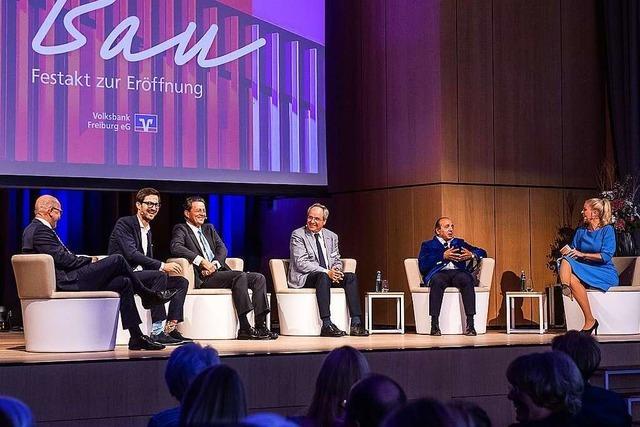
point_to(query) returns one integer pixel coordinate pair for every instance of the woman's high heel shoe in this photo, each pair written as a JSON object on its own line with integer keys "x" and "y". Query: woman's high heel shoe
{"x": 593, "y": 329}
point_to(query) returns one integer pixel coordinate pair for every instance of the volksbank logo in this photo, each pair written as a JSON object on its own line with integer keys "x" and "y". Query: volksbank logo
{"x": 145, "y": 122}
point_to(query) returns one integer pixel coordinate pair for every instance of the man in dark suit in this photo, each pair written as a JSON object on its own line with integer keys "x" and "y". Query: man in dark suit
{"x": 448, "y": 261}
{"x": 201, "y": 245}
{"x": 131, "y": 237}
{"x": 82, "y": 273}
{"x": 600, "y": 407}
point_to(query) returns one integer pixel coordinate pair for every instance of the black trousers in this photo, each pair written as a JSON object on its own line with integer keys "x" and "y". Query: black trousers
{"x": 460, "y": 279}
{"x": 323, "y": 284}
{"x": 159, "y": 281}
{"x": 113, "y": 274}
{"x": 240, "y": 282}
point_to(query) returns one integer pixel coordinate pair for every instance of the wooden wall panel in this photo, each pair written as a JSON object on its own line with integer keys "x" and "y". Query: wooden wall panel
{"x": 545, "y": 220}
{"x": 401, "y": 243}
{"x": 416, "y": 81}
{"x": 513, "y": 237}
{"x": 475, "y": 92}
{"x": 471, "y": 208}
{"x": 527, "y": 92}
{"x": 361, "y": 221}
{"x": 342, "y": 77}
{"x": 583, "y": 103}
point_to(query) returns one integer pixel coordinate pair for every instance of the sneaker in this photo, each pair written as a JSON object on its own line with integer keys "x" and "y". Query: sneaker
{"x": 164, "y": 339}
{"x": 178, "y": 336}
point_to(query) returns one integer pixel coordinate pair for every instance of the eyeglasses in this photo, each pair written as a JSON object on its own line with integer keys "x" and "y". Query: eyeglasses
{"x": 57, "y": 209}
{"x": 152, "y": 204}
{"x": 314, "y": 218}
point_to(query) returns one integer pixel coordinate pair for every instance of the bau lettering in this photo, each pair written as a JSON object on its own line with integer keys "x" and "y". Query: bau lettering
{"x": 128, "y": 29}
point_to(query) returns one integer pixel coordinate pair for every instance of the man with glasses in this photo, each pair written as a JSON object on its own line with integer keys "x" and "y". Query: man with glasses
{"x": 315, "y": 263}
{"x": 131, "y": 237}
{"x": 201, "y": 245}
{"x": 83, "y": 273}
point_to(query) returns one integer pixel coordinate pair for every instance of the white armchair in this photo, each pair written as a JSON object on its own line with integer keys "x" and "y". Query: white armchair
{"x": 298, "y": 308}
{"x": 452, "y": 317}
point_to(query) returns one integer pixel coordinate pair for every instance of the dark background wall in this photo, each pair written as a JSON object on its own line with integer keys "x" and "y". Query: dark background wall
{"x": 489, "y": 111}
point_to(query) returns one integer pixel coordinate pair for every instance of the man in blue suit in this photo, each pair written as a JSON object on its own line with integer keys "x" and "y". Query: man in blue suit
{"x": 449, "y": 261}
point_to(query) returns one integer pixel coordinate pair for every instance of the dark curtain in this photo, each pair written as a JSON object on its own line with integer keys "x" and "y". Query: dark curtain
{"x": 622, "y": 35}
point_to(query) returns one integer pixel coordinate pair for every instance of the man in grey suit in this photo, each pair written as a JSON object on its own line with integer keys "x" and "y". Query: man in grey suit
{"x": 315, "y": 263}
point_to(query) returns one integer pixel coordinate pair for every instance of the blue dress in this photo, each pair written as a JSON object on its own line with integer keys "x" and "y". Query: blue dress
{"x": 596, "y": 274}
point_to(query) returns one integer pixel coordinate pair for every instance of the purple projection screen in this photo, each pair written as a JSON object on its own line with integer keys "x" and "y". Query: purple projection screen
{"x": 228, "y": 91}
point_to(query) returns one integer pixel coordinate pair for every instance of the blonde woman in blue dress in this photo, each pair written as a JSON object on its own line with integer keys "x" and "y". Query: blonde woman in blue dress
{"x": 588, "y": 262}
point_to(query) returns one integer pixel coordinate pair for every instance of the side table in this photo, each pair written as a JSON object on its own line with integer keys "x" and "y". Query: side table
{"x": 542, "y": 307}
{"x": 368, "y": 311}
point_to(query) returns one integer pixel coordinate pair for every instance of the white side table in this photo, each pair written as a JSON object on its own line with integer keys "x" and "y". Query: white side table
{"x": 542, "y": 307}
{"x": 368, "y": 311}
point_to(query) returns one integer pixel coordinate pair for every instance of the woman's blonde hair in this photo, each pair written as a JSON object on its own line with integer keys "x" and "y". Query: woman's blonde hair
{"x": 603, "y": 207}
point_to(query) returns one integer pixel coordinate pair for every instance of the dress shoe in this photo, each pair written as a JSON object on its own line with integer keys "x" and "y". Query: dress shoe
{"x": 331, "y": 330}
{"x": 177, "y": 335}
{"x": 165, "y": 339}
{"x": 358, "y": 331}
{"x": 250, "y": 334}
{"x": 151, "y": 298}
{"x": 265, "y": 332}
{"x": 470, "y": 331}
{"x": 143, "y": 342}
{"x": 435, "y": 330}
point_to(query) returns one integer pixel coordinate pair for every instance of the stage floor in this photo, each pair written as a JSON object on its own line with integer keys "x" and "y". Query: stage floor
{"x": 12, "y": 349}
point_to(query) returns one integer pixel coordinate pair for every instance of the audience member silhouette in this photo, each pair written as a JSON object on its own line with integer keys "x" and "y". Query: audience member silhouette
{"x": 343, "y": 367}
{"x": 546, "y": 389}
{"x": 185, "y": 363}
{"x": 14, "y": 413}
{"x": 424, "y": 413}
{"x": 216, "y": 397}
{"x": 371, "y": 399}
{"x": 472, "y": 414}
{"x": 600, "y": 407}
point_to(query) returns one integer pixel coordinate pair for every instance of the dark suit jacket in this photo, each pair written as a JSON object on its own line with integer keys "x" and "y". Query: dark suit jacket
{"x": 602, "y": 408}
{"x": 431, "y": 257}
{"x": 184, "y": 244}
{"x": 37, "y": 238}
{"x": 126, "y": 240}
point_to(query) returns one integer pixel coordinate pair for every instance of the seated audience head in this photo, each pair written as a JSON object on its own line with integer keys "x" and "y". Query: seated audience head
{"x": 371, "y": 399}
{"x": 49, "y": 209}
{"x": 424, "y": 412}
{"x": 582, "y": 348}
{"x": 472, "y": 414}
{"x": 14, "y": 413}
{"x": 543, "y": 384}
{"x": 215, "y": 397}
{"x": 185, "y": 363}
{"x": 343, "y": 367}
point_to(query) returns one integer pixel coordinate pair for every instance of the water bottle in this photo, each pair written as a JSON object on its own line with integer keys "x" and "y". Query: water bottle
{"x": 378, "y": 281}
{"x": 523, "y": 281}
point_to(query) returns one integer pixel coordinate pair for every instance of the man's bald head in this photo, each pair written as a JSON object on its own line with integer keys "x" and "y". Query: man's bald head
{"x": 48, "y": 208}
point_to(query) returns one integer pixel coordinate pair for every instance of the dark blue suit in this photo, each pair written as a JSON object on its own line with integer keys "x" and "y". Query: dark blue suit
{"x": 431, "y": 263}
{"x": 602, "y": 408}
{"x": 78, "y": 273}
{"x": 126, "y": 240}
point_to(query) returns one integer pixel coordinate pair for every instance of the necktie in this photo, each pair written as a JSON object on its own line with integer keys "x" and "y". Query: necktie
{"x": 60, "y": 240}
{"x": 321, "y": 260}
{"x": 205, "y": 246}
{"x": 149, "y": 252}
